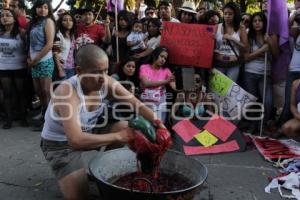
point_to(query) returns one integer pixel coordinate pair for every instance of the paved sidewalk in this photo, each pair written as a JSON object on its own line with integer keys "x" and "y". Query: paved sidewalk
{"x": 24, "y": 174}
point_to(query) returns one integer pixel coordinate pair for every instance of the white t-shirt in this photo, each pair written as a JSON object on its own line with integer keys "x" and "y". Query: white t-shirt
{"x": 65, "y": 45}
{"x": 154, "y": 42}
{"x": 172, "y": 20}
{"x": 12, "y": 53}
{"x": 134, "y": 37}
{"x": 141, "y": 12}
{"x": 295, "y": 61}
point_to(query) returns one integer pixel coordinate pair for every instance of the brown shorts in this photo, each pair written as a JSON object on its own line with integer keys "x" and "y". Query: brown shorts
{"x": 62, "y": 159}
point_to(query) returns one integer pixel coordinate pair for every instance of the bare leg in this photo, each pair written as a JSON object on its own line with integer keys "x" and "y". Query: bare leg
{"x": 45, "y": 86}
{"x": 291, "y": 127}
{"x": 75, "y": 185}
{"x": 37, "y": 88}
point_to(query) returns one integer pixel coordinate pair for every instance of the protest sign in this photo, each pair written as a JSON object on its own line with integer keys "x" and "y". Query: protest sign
{"x": 206, "y": 138}
{"x": 232, "y": 97}
{"x": 219, "y": 83}
{"x": 219, "y": 148}
{"x": 186, "y": 130}
{"x": 190, "y": 140}
{"x": 220, "y": 127}
{"x": 189, "y": 44}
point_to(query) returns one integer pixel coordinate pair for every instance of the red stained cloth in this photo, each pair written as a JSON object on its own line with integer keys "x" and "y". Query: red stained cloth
{"x": 149, "y": 154}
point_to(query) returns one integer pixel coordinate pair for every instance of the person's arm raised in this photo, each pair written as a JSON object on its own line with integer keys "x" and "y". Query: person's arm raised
{"x": 67, "y": 109}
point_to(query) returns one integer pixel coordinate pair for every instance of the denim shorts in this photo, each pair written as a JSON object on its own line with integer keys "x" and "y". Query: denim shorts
{"x": 62, "y": 159}
{"x": 43, "y": 69}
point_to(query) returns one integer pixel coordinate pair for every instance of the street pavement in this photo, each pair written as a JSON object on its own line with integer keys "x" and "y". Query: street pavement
{"x": 25, "y": 175}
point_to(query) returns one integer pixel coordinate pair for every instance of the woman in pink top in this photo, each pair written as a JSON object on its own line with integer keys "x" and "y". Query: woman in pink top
{"x": 154, "y": 77}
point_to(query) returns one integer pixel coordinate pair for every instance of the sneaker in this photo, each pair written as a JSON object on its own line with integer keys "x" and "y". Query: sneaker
{"x": 36, "y": 103}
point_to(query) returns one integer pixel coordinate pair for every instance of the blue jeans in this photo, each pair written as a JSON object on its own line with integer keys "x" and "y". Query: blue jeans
{"x": 254, "y": 84}
{"x": 286, "y": 112}
{"x": 230, "y": 72}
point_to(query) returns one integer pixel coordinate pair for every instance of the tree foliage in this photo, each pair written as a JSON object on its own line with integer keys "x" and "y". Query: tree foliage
{"x": 245, "y": 5}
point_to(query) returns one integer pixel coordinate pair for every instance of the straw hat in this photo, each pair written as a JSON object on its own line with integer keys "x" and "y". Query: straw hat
{"x": 188, "y": 6}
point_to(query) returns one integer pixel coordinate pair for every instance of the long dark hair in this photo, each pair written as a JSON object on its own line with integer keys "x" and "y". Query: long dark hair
{"x": 209, "y": 14}
{"x": 35, "y": 17}
{"x": 62, "y": 29}
{"x": 15, "y": 30}
{"x": 123, "y": 76}
{"x": 156, "y": 22}
{"x": 236, "y": 17}
{"x": 128, "y": 17}
{"x": 251, "y": 33}
{"x": 155, "y": 54}
{"x": 193, "y": 20}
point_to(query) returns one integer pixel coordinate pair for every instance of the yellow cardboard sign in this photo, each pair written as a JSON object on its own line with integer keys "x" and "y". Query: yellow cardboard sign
{"x": 206, "y": 138}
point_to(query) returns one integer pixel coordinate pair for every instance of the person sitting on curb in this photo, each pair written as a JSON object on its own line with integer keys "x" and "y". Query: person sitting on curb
{"x": 76, "y": 106}
{"x": 292, "y": 127}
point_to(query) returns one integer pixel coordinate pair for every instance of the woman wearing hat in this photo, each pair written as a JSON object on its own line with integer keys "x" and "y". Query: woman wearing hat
{"x": 187, "y": 13}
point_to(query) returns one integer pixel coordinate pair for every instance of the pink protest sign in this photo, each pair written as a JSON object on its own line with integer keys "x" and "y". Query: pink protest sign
{"x": 189, "y": 44}
{"x": 219, "y": 148}
{"x": 186, "y": 130}
{"x": 220, "y": 127}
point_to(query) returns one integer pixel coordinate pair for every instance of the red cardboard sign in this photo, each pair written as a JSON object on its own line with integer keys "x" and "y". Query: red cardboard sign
{"x": 219, "y": 148}
{"x": 189, "y": 44}
{"x": 186, "y": 130}
{"x": 220, "y": 127}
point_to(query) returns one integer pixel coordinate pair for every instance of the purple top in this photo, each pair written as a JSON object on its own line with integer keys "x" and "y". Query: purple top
{"x": 70, "y": 59}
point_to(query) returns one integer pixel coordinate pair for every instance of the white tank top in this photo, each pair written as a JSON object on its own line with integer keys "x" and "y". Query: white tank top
{"x": 53, "y": 127}
{"x": 257, "y": 66}
{"x": 222, "y": 46}
{"x": 295, "y": 61}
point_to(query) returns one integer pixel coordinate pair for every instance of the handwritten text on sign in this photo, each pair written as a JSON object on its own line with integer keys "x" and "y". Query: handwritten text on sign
{"x": 231, "y": 95}
{"x": 189, "y": 44}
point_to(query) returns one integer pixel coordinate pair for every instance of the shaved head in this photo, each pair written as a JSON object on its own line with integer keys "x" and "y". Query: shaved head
{"x": 89, "y": 55}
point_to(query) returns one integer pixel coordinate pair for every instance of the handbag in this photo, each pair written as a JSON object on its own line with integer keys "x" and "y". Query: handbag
{"x": 241, "y": 59}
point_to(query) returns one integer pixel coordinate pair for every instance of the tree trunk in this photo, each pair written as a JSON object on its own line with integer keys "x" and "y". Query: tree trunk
{"x": 243, "y": 6}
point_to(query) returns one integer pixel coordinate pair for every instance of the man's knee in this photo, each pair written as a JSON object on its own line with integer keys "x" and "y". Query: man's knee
{"x": 286, "y": 129}
{"x": 75, "y": 185}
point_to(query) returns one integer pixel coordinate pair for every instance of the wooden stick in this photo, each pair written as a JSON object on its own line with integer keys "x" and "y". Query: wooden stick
{"x": 98, "y": 13}
{"x": 264, "y": 94}
{"x": 116, "y": 25}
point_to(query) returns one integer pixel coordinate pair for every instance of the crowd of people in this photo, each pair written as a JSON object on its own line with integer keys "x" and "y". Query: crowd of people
{"x": 38, "y": 50}
{"x": 41, "y": 56}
